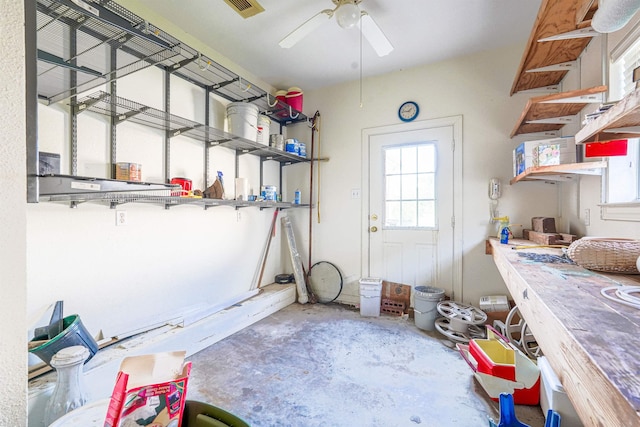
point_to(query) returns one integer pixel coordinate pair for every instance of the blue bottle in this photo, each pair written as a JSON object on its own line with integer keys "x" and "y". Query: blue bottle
{"x": 296, "y": 197}
{"x": 504, "y": 235}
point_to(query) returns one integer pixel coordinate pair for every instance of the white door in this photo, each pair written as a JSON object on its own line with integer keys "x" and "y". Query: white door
{"x": 411, "y": 216}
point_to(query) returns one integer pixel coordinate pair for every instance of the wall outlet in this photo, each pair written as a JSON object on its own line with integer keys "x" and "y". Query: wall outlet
{"x": 355, "y": 193}
{"x": 587, "y": 217}
{"x": 121, "y": 218}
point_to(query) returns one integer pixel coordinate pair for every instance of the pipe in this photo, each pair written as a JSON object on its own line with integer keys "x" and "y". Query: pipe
{"x": 612, "y": 15}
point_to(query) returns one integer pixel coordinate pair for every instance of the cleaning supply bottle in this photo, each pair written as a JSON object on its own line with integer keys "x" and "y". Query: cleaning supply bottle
{"x": 503, "y": 229}
{"x": 296, "y": 197}
{"x": 504, "y": 235}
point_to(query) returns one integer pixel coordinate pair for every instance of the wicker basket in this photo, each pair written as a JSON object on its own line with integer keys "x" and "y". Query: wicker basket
{"x": 607, "y": 255}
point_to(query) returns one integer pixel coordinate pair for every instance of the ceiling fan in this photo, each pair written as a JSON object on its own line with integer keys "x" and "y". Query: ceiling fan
{"x": 348, "y": 14}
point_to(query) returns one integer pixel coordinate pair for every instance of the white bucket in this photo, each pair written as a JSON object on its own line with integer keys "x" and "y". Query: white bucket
{"x": 370, "y": 296}
{"x": 425, "y": 308}
{"x": 243, "y": 120}
{"x": 263, "y": 130}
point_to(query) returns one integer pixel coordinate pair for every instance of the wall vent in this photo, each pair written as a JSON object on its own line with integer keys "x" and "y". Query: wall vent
{"x": 245, "y": 8}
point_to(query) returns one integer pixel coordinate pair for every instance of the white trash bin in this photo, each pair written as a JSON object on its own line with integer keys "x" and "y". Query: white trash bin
{"x": 370, "y": 295}
{"x": 425, "y": 304}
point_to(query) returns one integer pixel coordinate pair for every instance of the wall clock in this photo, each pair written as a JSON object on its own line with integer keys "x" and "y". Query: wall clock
{"x": 408, "y": 111}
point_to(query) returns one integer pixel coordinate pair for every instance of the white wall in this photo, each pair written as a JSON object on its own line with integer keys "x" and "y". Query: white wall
{"x": 584, "y": 193}
{"x": 13, "y": 264}
{"x": 164, "y": 261}
{"x": 476, "y": 87}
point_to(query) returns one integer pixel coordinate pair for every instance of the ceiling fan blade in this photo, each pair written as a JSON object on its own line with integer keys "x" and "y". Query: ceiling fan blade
{"x": 374, "y": 35}
{"x": 305, "y": 29}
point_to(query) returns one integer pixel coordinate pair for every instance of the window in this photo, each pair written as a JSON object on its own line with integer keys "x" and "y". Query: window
{"x": 621, "y": 183}
{"x": 410, "y": 186}
{"x": 622, "y": 176}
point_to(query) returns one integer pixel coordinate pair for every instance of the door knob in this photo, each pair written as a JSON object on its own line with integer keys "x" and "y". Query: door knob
{"x": 374, "y": 217}
{"x": 374, "y": 229}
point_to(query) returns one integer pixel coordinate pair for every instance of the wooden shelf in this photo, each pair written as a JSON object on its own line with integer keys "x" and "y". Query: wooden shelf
{"x": 557, "y": 107}
{"x": 560, "y": 172}
{"x": 555, "y": 17}
{"x": 620, "y": 121}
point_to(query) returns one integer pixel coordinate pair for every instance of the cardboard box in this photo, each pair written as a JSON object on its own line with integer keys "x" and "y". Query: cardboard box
{"x": 150, "y": 390}
{"x": 524, "y": 155}
{"x": 397, "y": 293}
{"x": 556, "y": 151}
{"x": 129, "y": 171}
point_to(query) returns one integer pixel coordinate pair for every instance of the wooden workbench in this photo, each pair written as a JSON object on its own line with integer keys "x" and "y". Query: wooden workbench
{"x": 593, "y": 344}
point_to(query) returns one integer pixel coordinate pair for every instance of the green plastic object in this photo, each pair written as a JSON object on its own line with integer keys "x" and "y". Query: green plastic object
{"x": 199, "y": 414}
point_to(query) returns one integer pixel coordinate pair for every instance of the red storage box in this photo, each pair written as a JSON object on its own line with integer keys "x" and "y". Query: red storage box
{"x": 502, "y": 368}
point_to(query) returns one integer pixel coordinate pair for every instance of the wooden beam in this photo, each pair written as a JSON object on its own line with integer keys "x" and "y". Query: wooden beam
{"x": 590, "y": 342}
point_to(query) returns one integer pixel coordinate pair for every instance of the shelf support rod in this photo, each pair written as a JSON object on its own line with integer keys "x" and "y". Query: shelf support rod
{"x": 113, "y": 90}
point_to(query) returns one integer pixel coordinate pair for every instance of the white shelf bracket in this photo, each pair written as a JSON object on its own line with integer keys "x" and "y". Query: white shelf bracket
{"x": 585, "y": 99}
{"x": 576, "y": 34}
{"x": 537, "y": 135}
{"x": 563, "y": 66}
{"x": 564, "y": 120}
{"x": 543, "y": 89}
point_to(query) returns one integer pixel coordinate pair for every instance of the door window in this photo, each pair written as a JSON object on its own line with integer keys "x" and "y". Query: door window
{"x": 410, "y": 183}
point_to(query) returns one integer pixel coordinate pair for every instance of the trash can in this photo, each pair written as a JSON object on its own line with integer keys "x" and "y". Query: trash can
{"x": 370, "y": 295}
{"x": 425, "y": 303}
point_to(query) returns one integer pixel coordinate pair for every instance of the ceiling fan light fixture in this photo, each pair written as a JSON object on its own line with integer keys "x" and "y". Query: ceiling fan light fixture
{"x": 348, "y": 14}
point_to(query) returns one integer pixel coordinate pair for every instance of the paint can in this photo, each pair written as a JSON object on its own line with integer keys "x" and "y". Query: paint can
{"x": 242, "y": 119}
{"x": 425, "y": 305}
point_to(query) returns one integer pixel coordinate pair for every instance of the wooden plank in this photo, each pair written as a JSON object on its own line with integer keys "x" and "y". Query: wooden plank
{"x": 540, "y": 107}
{"x": 543, "y": 224}
{"x": 585, "y": 11}
{"x": 591, "y": 342}
{"x": 569, "y": 168}
{"x": 554, "y": 17}
{"x": 544, "y": 238}
{"x": 626, "y": 113}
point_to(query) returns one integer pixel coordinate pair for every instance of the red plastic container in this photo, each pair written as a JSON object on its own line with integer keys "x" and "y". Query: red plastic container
{"x": 496, "y": 358}
{"x": 294, "y": 98}
{"x": 185, "y": 183}
{"x": 617, "y": 147}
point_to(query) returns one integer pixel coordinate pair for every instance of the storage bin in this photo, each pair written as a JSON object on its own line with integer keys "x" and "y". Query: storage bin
{"x": 370, "y": 296}
{"x": 553, "y": 396}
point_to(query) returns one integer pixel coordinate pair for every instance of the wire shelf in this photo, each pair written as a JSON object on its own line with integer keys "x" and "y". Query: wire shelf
{"x": 138, "y": 45}
{"x": 123, "y": 109}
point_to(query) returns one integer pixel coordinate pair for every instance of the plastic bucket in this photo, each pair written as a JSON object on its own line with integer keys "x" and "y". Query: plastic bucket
{"x": 425, "y": 303}
{"x": 281, "y": 95}
{"x": 200, "y": 414}
{"x": 243, "y": 120}
{"x": 294, "y": 98}
{"x": 73, "y": 333}
{"x": 263, "y": 130}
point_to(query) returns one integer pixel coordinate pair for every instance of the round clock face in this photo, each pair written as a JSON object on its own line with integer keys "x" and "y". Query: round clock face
{"x": 408, "y": 111}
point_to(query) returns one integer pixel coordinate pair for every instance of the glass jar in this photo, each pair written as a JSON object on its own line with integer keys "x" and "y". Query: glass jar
{"x": 68, "y": 393}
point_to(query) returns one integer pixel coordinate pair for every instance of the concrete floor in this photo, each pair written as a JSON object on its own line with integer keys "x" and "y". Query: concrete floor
{"x": 325, "y": 365}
